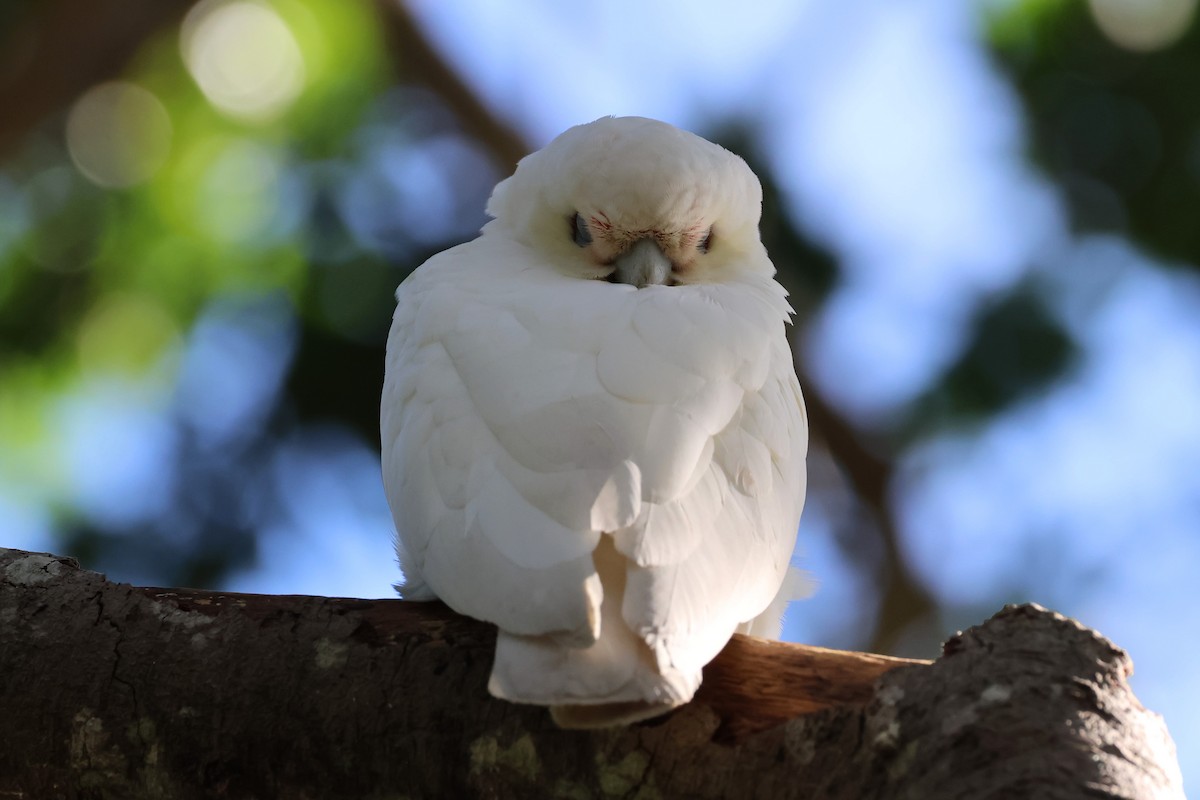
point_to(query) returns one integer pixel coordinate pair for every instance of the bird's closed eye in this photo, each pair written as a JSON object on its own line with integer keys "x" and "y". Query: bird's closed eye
{"x": 579, "y": 231}
{"x": 706, "y": 243}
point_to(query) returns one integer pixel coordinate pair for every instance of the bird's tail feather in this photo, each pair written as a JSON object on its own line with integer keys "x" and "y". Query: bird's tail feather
{"x": 614, "y": 680}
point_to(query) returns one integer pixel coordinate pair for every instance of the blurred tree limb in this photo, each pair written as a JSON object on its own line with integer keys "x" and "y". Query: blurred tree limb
{"x": 57, "y": 49}
{"x": 112, "y": 690}
{"x": 903, "y": 600}
{"x": 417, "y": 61}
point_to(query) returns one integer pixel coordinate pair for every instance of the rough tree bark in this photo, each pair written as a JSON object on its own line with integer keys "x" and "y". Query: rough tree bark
{"x": 114, "y": 691}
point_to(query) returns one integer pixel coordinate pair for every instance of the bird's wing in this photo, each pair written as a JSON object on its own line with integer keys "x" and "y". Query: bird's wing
{"x": 525, "y": 413}
{"x": 722, "y": 467}
{"x": 498, "y": 460}
{"x": 713, "y": 555}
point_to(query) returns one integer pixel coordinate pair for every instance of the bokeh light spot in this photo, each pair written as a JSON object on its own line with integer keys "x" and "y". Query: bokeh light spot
{"x": 1143, "y": 25}
{"x": 237, "y": 197}
{"x": 124, "y": 333}
{"x": 233, "y": 367}
{"x": 118, "y": 134}
{"x": 15, "y": 216}
{"x": 118, "y": 448}
{"x": 244, "y": 58}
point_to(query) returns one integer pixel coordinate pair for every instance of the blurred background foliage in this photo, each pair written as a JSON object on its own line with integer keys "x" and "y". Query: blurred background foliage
{"x": 205, "y": 209}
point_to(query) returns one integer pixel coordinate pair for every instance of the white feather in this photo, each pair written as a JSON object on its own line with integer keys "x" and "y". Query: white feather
{"x": 613, "y": 476}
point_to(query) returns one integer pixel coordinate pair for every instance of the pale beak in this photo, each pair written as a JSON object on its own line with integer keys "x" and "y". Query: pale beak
{"x": 643, "y": 264}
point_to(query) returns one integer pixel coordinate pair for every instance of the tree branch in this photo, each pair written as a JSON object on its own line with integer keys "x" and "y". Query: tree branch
{"x": 417, "y": 61}
{"x": 62, "y": 47}
{"x": 117, "y": 691}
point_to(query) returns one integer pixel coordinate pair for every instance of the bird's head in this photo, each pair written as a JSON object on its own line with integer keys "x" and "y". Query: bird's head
{"x": 635, "y": 201}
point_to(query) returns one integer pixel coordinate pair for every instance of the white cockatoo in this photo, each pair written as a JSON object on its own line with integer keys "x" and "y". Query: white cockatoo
{"x": 593, "y": 436}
